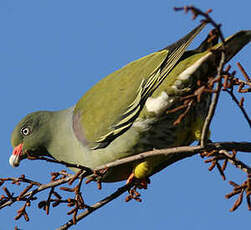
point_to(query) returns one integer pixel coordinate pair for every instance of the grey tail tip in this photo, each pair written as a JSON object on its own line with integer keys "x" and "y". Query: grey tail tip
{"x": 244, "y": 32}
{"x": 248, "y": 32}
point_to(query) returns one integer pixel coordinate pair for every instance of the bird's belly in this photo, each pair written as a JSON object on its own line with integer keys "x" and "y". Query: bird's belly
{"x": 162, "y": 132}
{"x": 159, "y": 133}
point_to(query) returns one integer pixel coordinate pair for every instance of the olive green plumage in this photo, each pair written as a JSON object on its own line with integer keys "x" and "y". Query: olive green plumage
{"x": 124, "y": 92}
{"x": 125, "y": 113}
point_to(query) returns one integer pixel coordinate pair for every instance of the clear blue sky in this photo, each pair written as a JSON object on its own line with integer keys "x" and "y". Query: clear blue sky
{"x": 51, "y": 52}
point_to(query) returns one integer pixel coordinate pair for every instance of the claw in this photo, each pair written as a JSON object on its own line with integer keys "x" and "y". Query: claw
{"x": 139, "y": 183}
{"x": 130, "y": 178}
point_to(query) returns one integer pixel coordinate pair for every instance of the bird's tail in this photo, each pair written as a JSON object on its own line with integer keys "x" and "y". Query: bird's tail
{"x": 211, "y": 40}
{"x": 234, "y": 43}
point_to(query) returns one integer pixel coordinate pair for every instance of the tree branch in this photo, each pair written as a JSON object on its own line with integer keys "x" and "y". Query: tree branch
{"x": 39, "y": 189}
{"x": 230, "y": 92}
{"x": 215, "y": 152}
{"x": 172, "y": 155}
{"x": 96, "y": 206}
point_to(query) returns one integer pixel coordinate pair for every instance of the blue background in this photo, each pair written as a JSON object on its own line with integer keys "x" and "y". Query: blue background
{"x": 52, "y": 51}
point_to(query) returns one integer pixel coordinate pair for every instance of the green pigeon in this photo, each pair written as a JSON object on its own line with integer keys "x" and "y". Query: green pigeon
{"x": 125, "y": 113}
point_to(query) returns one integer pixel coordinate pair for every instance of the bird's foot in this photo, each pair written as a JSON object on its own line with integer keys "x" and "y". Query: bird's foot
{"x": 139, "y": 183}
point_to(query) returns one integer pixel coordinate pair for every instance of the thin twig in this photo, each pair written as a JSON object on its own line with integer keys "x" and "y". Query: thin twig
{"x": 206, "y": 15}
{"x": 171, "y": 154}
{"x": 243, "y": 72}
{"x": 96, "y": 206}
{"x": 67, "y": 164}
{"x": 181, "y": 152}
{"x": 39, "y": 189}
{"x": 239, "y": 106}
{"x": 214, "y": 102}
{"x": 236, "y": 162}
{"x": 195, "y": 11}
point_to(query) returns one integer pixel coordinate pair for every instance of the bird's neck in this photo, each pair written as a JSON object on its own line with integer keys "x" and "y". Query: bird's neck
{"x": 64, "y": 145}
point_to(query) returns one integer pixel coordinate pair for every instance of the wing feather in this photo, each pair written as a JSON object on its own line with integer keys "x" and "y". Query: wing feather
{"x": 155, "y": 67}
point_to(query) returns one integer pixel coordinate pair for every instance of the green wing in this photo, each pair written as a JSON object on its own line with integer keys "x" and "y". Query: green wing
{"x": 109, "y": 108}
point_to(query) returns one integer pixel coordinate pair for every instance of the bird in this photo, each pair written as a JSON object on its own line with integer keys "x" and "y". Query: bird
{"x": 126, "y": 112}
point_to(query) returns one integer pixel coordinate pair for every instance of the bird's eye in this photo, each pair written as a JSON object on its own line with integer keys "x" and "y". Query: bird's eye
{"x": 26, "y": 131}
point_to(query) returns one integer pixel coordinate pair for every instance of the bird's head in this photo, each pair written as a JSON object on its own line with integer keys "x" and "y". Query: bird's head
{"x": 31, "y": 136}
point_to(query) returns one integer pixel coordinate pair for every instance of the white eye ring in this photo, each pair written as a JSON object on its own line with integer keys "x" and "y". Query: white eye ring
{"x": 26, "y": 131}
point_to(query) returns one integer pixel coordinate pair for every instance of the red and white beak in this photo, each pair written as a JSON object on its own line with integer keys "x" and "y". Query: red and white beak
{"x": 15, "y": 157}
